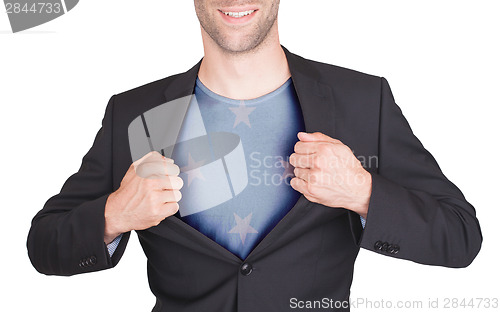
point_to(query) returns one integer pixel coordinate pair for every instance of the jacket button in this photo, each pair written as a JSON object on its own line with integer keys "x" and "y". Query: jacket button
{"x": 83, "y": 263}
{"x": 395, "y": 249}
{"x": 378, "y": 245}
{"x": 390, "y": 249}
{"x": 384, "y": 246}
{"x": 93, "y": 260}
{"x": 246, "y": 269}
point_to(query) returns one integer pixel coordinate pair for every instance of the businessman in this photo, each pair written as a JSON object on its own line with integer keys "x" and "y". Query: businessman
{"x": 258, "y": 246}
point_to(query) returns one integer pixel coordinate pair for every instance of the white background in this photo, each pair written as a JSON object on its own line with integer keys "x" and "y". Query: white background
{"x": 440, "y": 58}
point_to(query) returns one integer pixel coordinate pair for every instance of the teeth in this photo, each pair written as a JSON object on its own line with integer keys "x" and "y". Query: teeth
{"x": 239, "y": 14}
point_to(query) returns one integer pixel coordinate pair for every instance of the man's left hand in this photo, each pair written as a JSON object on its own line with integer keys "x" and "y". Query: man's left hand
{"x": 327, "y": 172}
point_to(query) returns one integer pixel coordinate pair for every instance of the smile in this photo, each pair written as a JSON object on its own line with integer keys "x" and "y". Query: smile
{"x": 239, "y": 14}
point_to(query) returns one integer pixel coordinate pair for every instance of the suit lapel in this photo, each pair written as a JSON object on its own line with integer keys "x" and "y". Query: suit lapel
{"x": 183, "y": 84}
{"x": 318, "y": 109}
{"x": 315, "y": 98}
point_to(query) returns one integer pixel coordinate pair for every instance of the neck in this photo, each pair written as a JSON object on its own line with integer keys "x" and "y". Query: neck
{"x": 245, "y": 75}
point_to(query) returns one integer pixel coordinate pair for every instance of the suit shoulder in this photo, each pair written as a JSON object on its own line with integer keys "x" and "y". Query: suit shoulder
{"x": 130, "y": 104}
{"x": 339, "y": 74}
{"x": 151, "y": 90}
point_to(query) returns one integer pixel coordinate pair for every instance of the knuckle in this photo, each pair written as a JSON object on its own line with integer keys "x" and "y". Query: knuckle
{"x": 170, "y": 183}
{"x": 299, "y": 161}
{"x": 148, "y": 183}
{"x": 324, "y": 148}
{"x": 310, "y": 189}
{"x": 311, "y": 198}
{"x": 177, "y": 170}
{"x": 154, "y": 210}
{"x": 321, "y": 161}
{"x": 317, "y": 161}
{"x": 172, "y": 208}
{"x": 296, "y": 146}
{"x": 167, "y": 183}
{"x": 177, "y": 195}
{"x": 142, "y": 170}
{"x": 172, "y": 169}
{"x": 157, "y": 221}
{"x": 155, "y": 156}
{"x": 179, "y": 182}
{"x": 144, "y": 166}
{"x": 298, "y": 184}
{"x": 347, "y": 150}
{"x": 311, "y": 177}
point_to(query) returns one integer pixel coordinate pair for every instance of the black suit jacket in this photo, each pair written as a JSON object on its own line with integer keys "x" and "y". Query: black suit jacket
{"x": 415, "y": 212}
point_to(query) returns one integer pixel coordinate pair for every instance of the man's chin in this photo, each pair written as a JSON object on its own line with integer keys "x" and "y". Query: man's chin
{"x": 239, "y": 50}
{"x": 239, "y": 45}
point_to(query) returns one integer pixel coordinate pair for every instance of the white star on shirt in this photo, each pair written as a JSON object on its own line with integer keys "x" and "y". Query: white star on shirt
{"x": 193, "y": 169}
{"x": 242, "y": 113}
{"x": 243, "y": 227}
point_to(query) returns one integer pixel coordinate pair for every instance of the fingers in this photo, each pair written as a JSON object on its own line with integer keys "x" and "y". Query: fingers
{"x": 171, "y": 208}
{"x": 298, "y": 184}
{"x": 305, "y": 147}
{"x": 170, "y": 196}
{"x": 302, "y": 161}
{"x": 161, "y": 184}
{"x": 316, "y": 136}
{"x": 171, "y": 183}
{"x": 311, "y": 143}
{"x": 152, "y": 154}
{"x": 310, "y": 161}
{"x": 157, "y": 169}
{"x": 302, "y": 147}
{"x": 302, "y": 173}
{"x": 301, "y": 186}
{"x": 310, "y": 176}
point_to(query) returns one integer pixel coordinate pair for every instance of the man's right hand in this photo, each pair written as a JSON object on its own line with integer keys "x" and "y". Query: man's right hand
{"x": 148, "y": 193}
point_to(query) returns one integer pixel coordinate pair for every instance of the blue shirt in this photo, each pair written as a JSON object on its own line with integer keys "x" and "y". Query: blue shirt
{"x": 267, "y": 129}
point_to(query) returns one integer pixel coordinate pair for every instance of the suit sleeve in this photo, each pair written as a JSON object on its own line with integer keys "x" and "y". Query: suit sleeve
{"x": 67, "y": 236}
{"x": 415, "y": 212}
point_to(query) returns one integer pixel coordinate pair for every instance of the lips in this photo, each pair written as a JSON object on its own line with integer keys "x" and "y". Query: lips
{"x": 30, "y": 13}
{"x": 237, "y": 15}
